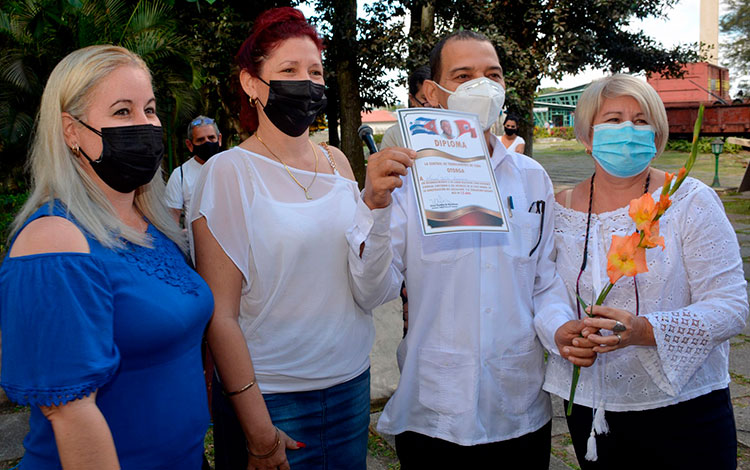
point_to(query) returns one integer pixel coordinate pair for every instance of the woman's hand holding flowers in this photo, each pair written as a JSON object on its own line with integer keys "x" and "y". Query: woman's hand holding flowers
{"x": 637, "y": 330}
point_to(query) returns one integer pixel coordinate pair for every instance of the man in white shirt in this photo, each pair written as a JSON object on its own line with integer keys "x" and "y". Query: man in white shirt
{"x": 203, "y": 141}
{"x": 392, "y": 136}
{"x": 470, "y": 391}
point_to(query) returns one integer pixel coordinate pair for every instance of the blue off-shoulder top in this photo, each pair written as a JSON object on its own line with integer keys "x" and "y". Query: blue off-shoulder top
{"x": 126, "y": 322}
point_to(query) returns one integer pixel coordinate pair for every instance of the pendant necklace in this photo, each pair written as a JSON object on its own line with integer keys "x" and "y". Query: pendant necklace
{"x": 305, "y": 189}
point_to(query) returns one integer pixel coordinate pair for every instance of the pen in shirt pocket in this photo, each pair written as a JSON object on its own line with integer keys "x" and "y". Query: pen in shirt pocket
{"x": 510, "y": 206}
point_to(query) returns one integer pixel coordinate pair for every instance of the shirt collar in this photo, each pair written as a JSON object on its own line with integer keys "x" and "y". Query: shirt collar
{"x": 499, "y": 153}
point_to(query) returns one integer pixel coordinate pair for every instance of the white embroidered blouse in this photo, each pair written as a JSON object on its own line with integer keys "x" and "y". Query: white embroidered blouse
{"x": 694, "y": 295}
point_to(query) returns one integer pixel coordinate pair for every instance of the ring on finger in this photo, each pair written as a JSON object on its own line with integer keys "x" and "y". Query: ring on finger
{"x": 619, "y": 338}
{"x": 619, "y": 327}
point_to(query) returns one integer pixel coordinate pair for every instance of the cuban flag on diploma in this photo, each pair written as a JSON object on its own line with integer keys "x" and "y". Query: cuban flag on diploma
{"x": 423, "y": 125}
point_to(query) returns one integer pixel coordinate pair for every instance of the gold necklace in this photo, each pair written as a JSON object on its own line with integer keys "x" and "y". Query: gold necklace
{"x": 305, "y": 189}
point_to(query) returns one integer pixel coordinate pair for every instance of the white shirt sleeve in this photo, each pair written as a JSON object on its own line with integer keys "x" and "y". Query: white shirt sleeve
{"x": 376, "y": 275}
{"x": 551, "y": 308}
{"x": 391, "y": 138}
{"x": 719, "y": 308}
{"x": 174, "y": 197}
{"x": 221, "y": 196}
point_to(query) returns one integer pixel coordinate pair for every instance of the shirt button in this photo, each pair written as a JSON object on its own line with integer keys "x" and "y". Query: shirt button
{"x": 487, "y": 310}
{"x": 488, "y": 266}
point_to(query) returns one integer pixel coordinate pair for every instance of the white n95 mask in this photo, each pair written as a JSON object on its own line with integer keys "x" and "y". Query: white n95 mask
{"x": 480, "y": 96}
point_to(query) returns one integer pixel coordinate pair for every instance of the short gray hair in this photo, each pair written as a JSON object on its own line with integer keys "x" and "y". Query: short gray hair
{"x": 201, "y": 121}
{"x": 621, "y": 85}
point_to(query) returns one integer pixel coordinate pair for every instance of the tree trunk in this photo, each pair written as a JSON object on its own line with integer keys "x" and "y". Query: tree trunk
{"x": 527, "y": 129}
{"x": 428, "y": 18}
{"x": 351, "y": 118}
{"x": 344, "y": 37}
{"x": 421, "y": 31}
{"x": 526, "y": 93}
{"x": 332, "y": 113}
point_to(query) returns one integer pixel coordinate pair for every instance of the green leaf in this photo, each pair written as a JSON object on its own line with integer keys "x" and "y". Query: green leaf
{"x": 573, "y": 385}
{"x": 696, "y": 133}
{"x": 580, "y": 301}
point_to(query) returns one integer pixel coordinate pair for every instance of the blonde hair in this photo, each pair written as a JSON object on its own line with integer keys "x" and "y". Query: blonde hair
{"x": 621, "y": 85}
{"x": 55, "y": 170}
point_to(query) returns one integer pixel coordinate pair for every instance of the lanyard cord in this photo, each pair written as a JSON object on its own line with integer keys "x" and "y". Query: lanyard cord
{"x": 586, "y": 245}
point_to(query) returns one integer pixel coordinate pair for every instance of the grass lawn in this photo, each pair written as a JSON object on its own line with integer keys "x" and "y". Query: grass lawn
{"x": 567, "y": 163}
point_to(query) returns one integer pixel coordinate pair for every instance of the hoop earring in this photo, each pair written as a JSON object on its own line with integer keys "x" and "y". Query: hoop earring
{"x": 252, "y": 102}
{"x": 76, "y": 150}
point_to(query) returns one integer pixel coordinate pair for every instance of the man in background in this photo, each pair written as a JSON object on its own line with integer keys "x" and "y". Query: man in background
{"x": 203, "y": 141}
{"x": 392, "y": 136}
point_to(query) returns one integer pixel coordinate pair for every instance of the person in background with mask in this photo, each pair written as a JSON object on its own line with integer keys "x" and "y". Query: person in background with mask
{"x": 511, "y": 140}
{"x": 291, "y": 335}
{"x": 102, "y": 317}
{"x": 392, "y": 136}
{"x": 471, "y": 386}
{"x": 203, "y": 141}
{"x": 659, "y": 346}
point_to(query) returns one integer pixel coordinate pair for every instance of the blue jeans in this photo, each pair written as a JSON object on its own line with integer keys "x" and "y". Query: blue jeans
{"x": 332, "y": 423}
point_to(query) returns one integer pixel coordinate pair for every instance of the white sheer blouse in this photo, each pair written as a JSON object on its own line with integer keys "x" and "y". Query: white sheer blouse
{"x": 694, "y": 295}
{"x": 303, "y": 327}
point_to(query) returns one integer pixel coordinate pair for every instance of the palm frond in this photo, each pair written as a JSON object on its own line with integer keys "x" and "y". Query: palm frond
{"x": 15, "y": 72}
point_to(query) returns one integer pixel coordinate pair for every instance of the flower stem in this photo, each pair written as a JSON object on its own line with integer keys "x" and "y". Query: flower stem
{"x": 573, "y": 385}
{"x": 603, "y": 294}
{"x": 577, "y": 369}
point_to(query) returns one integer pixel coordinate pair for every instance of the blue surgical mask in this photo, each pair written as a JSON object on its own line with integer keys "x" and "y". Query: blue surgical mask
{"x": 623, "y": 150}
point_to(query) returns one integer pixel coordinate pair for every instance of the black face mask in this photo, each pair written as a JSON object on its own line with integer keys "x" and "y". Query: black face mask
{"x": 293, "y": 104}
{"x": 130, "y": 157}
{"x": 206, "y": 150}
{"x": 509, "y": 131}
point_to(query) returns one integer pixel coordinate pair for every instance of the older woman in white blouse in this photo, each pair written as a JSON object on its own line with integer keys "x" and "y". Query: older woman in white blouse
{"x": 658, "y": 349}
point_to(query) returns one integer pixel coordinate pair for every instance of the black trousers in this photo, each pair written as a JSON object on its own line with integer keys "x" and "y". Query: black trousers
{"x": 695, "y": 434}
{"x": 529, "y": 452}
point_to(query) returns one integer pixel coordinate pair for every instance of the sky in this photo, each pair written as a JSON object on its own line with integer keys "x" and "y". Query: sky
{"x": 681, "y": 26}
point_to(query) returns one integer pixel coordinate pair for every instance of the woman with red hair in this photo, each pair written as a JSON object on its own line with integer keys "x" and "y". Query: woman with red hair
{"x": 292, "y": 330}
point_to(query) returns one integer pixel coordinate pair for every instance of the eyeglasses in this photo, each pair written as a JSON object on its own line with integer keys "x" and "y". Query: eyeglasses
{"x": 424, "y": 104}
{"x": 201, "y": 122}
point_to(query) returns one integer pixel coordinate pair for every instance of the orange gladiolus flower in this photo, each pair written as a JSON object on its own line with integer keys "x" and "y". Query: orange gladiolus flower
{"x": 667, "y": 182}
{"x": 662, "y": 205}
{"x": 643, "y": 211}
{"x": 625, "y": 257}
{"x": 680, "y": 176}
{"x": 652, "y": 239}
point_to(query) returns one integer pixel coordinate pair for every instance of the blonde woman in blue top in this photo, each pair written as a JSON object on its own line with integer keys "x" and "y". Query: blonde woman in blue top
{"x": 101, "y": 315}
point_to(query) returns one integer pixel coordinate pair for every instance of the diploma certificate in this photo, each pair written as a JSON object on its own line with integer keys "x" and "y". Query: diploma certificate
{"x": 453, "y": 179}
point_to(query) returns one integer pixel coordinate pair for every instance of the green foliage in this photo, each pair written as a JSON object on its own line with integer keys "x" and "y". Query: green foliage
{"x": 539, "y": 38}
{"x": 550, "y": 89}
{"x": 736, "y": 22}
{"x": 36, "y": 34}
{"x": 565, "y": 133}
{"x": 378, "y": 447}
{"x": 10, "y": 204}
{"x": 381, "y": 50}
{"x": 704, "y": 146}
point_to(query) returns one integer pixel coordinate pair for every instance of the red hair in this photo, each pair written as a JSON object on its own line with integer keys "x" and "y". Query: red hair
{"x": 271, "y": 28}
